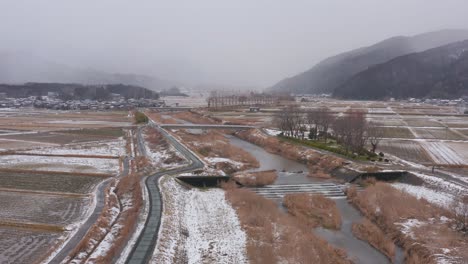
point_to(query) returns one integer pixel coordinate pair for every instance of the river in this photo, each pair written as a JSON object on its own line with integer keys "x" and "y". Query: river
{"x": 292, "y": 172}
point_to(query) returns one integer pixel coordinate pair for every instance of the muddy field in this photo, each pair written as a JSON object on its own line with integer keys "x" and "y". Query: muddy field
{"x": 43, "y": 120}
{"x": 50, "y": 165}
{"x": 25, "y": 245}
{"x": 407, "y": 150}
{"x": 49, "y": 182}
{"x": 42, "y": 209}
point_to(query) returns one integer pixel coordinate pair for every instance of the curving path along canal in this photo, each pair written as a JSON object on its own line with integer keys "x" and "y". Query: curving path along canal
{"x": 144, "y": 247}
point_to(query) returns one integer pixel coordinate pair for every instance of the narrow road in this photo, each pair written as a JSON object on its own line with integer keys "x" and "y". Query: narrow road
{"x": 92, "y": 219}
{"x": 79, "y": 235}
{"x": 144, "y": 247}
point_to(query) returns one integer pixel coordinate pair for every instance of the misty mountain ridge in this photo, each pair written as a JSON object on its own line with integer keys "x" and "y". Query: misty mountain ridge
{"x": 17, "y": 68}
{"x": 332, "y": 72}
{"x": 438, "y": 73}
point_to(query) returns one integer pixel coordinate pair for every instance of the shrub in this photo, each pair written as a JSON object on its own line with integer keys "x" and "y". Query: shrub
{"x": 381, "y": 154}
{"x": 389, "y": 208}
{"x": 140, "y": 117}
{"x": 256, "y": 179}
{"x": 315, "y": 210}
{"x": 369, "y": 181}
{"x": 371, "y": 233}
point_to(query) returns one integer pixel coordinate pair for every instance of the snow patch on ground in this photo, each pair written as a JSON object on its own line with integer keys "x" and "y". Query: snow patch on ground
{"x": 439, "y": 198}
{"x": 407, "y": 226}
{"x": 214, "y": 160}
{"x": 272, "y": 132}
{"x": 443, "y": 184}
{"x": 104, "y": 246}
{"x": 158, "y": 156}
{"x": 105, "y": 148}
{"x": 206, "y": 228}
{"x": 66, "y": 164}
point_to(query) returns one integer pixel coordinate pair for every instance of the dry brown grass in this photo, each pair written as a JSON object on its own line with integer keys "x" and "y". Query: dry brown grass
{"x": 158, "y": 118}
{"x": 256, "y": 179}
{"x": 34, "y": 226}
{"x": 214, "y": 144}
{"x": 97, "y": 232}
{"x": 319, "y": 164}
{"x": 142, "y": 163}
{"x": 315, "y": 210}
{"x": 273, "y": 236}
{"x": 128, "y": 188}
{"x": 371, "y": 233}
{"x": 389, "y": 208}
{"x": 371, "y": 169}
{"x": 241, "y": 121}
{"x": 368, "y": 181}
{"x": 158, "y": 143}
{"x": 193, "y": 117}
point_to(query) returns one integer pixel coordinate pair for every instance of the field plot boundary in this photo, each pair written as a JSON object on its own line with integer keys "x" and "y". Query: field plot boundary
{"x": 6, "y": 153}
{"x": 61, "y": 194}
{"x": 30, "y": 141}
{"x": 98, "y": 175}
{"x": 33, "y": 226}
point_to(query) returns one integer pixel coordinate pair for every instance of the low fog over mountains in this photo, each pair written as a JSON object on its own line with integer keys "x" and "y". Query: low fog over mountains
{"x": 22, "y": 68}
{"x": 335, "y": 71}
{"x": 439, "y": 73}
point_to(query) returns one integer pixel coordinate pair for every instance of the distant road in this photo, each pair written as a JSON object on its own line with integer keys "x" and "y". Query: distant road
{"x": 198, "y": 126}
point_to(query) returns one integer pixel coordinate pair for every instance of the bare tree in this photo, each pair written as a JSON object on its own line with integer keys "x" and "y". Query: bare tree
{"x": 325, "y": 119}
{"x": 342, "y": 132}
{"x": 312, "y": 120}
{"x": 375, "y": 134}
{"x": 357, "y": 124}
{"x": 319, "y": 120}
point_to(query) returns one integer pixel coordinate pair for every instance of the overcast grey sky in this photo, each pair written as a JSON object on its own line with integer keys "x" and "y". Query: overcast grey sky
{"x": 238, "y": 42}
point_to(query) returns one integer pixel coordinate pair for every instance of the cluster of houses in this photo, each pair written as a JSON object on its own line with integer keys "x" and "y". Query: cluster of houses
{"x": 51, "y": 102}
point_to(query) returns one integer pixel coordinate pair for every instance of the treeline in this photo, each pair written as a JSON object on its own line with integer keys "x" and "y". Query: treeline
{"x": 77, "y": 91}
{"x": 351, "y": 129}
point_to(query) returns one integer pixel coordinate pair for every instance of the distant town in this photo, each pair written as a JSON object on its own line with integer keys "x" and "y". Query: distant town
{"x": 52, "y": 101}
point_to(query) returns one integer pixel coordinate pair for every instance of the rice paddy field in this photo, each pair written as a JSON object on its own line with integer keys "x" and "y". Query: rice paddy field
{"x": 407, "y": 150}
{"x": 48, "y": 182}
{"x": 50, "y": 165}
{"x": 26, "y": 245}
{"x": 445, "y": 134}
{"x": 42, "y": 208}
{"x": 416, "y": 132}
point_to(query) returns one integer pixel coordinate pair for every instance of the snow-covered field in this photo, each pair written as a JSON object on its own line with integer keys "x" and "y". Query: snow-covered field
{"x": 442, "y": 154}
{"x": 90, "y": 122}
{"x": 105, "y": 148}
{"x": 198, "y": 227}
{"x": 65, "y": 164}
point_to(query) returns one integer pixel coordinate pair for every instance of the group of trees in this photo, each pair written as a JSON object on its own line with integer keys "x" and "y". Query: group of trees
{"x": 351, "y": 129}
{"x": 71, "y": 91}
